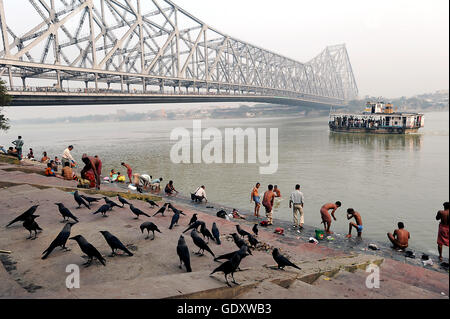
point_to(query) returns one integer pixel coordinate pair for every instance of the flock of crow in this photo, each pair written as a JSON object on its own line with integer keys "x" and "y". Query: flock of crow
{"x": 196, "y": 227}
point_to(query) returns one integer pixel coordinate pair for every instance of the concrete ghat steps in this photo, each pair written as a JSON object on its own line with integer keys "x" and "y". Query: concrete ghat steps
{"x": 153, "y": 271}
{"x": 9, "y": 287}
{"x": 353, "y": 286}
{"x": 415, "y": 276}
{"x": 200, "y": 285}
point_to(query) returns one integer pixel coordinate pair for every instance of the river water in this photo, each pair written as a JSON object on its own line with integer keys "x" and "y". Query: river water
{"x": 386, "y": 178}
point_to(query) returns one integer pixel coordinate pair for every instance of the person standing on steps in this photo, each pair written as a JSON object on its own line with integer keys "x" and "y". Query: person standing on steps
{"x": 18, "y": 144}
{"x": 254, "y": 197}
{"x": 442, "y": 239}
{"x": 268, "y": 199}
{"x": 296, "y": 202}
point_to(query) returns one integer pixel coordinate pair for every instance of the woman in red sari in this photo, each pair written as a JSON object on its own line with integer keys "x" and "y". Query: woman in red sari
{"x": 92, "y": 170}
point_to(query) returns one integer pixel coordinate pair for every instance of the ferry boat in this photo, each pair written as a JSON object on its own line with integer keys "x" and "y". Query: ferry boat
{"x": 378, "y": 118}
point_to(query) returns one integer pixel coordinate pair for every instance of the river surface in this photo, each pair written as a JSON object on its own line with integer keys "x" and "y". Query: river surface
{"x": 386, "y": 178}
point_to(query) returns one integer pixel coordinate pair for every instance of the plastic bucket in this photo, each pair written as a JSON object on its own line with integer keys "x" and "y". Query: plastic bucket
{"x": 320, "y": 234}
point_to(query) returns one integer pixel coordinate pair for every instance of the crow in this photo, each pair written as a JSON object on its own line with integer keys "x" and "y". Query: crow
{"x": 282, "y": 261}
{"x": 103, "y": 209}
{"x": 65, "y": 212}
{"x": 115, "y": 243}
{"x": 183, "y": 253}
{"x": 80, "y": 201}
{"x": 60, "y": 240}
{"x": 150, "y": 227}
{"x": 161, "y": 210}
{"x": 24, "y": 216}
{"x": 195, "y": 225}
{"x": 199, "y": 242}
{"x": 123, "y": 201}
{"x": 193, "y": 219}
{"x": 255, "y": 229}
{"x": 253, "y": 241}
{"x": 239, "y": 242}
{"x": 90, "y": 199}
{"x": 89, "y": 250}
{"x": 111, "y": 203}
{"x": 31, "y": 225}
{"x": 138, "y": 212}
{"x": 206, "y": 233}
{"x": 243, "y": 251}
{"x": 177, "y": 211}
{"x": 174, "y": 221}
{"x": 229, "y": 267}
{"x": 152, "y": 203}
{"x": 216, "y": 234}
{"x": 241, "y": 232}
{"x": 174, "y": 209}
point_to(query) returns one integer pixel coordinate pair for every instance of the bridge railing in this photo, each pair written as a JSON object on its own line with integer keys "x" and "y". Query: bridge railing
{"x": 48, "y": 91}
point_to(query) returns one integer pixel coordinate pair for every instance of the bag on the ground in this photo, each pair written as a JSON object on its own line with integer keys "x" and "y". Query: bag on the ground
{"x": 221, "y": 214}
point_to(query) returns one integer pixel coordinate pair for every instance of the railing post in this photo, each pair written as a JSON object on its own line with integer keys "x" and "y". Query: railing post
{"x": 10, "y": 78}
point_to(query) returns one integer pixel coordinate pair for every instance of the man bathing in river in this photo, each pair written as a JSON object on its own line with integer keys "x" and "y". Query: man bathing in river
{"x": 400, "y": 238}
{"x": 351, "y": 213}
{"x": 254, "y": 197}
{"x": 170, "y": 189}
{"x": 268, "y": 199}
{"x": 442, "y": 239}
{"x": 326, "y": 217}
{"x": 129, "y": 171}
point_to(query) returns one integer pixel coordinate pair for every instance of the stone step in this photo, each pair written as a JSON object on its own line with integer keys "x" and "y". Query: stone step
{"x": 353, "y": 286}
{"x": 415, "y": 276}
{"x": 9, "y": 287}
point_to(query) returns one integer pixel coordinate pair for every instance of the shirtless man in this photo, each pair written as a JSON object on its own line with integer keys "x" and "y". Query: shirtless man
{"x": 268, "y": 199}
{"x": 400, "y": 238}
{"x": 326, "y": 217}
{"x": 442, "y": 215}
{"x": 254, "y": 197}
{"x": 351, "y": 213}
{"x": 129, "y": 171}
{"x": 93, "y": 164}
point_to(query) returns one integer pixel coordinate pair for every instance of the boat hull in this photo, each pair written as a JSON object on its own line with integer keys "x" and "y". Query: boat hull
{"x": 390, "y": 130}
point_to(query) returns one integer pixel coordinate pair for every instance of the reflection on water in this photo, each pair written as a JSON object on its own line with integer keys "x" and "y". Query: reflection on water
{"x": 410, "y": 142}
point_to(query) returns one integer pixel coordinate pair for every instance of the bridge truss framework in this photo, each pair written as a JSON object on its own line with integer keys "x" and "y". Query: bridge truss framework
{"x": 120, "y": 46}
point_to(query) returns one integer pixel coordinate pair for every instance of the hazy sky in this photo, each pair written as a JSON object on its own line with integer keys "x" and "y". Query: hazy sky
{"x": 397, "y": 47}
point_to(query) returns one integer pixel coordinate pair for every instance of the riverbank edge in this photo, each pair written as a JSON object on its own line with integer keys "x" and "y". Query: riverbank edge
{"x": 339, "y": 242}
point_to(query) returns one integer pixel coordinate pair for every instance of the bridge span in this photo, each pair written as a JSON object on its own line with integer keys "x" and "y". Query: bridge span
{"x": 134, "y": 51}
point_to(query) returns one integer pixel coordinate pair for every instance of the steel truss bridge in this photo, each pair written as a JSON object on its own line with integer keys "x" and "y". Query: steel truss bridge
{"x": 144, "y": 51}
